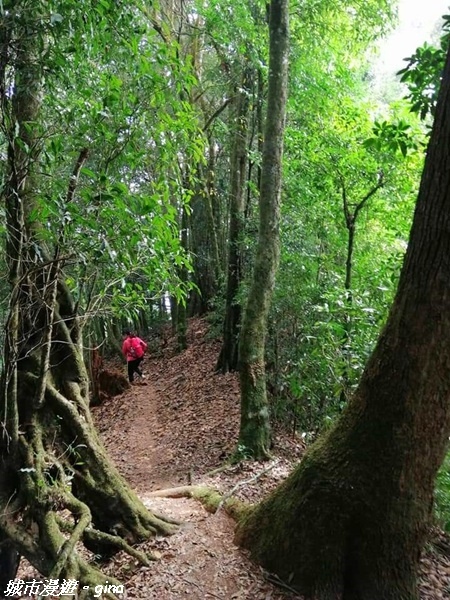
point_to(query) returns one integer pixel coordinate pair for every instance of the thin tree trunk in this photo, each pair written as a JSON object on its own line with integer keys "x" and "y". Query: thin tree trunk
{"x": 351, "y": 217}
{"x": 204, "y": 249}
{"x": 173, "y": 313}
{"x": 351, "y": 521}
{"x": 181, "y": 306}
{"x": 254, "y": 435}
{"x": 210, "y": 200}
{"x": 228, "y": 357}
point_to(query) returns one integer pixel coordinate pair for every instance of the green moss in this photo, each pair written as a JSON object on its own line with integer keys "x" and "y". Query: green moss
{"x": 209, "y": 498}
{"x": 212, "y": 501}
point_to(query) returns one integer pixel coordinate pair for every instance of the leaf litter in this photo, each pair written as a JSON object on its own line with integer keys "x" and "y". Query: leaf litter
{"x": 179, "y": 428}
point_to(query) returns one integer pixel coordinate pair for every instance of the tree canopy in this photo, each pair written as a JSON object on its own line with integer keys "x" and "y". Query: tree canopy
{"x": 141, "y": 185}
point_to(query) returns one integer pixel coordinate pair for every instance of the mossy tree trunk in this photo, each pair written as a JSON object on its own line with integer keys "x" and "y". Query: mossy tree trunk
{"x": 181, "y": 312}
{"x": 254, "y": 435}
{"x": 228, "y": 357}
{"x": 351, "y": 521}
{"x": 58, "y": 487}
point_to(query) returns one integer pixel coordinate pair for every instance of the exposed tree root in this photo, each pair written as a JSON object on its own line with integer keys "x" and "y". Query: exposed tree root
{"x": 66, "y": 493}
{"x": 184, "y": 491}
{"x": 209, "y": 498}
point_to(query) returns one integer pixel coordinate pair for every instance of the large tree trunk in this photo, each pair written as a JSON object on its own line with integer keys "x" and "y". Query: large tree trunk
{"x": 58, "y": 487}
{"x": 351, "y": 521}
{"x": 254, "y": 435}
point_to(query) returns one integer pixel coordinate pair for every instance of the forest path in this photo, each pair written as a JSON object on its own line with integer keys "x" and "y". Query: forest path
{"x": 177, "y": 424}
{"x": 172, "y": 431}
{"x": 130, "y": 426}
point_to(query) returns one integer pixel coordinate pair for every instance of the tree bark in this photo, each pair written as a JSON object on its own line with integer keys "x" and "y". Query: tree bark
{"x": 228, "y": 357}
{"x": 181, "y": 305}
{"x": 351, "y": 521}
{"x": 204, "y": 245}
{"x": 254, "y": 435}
{"x": 52, "y": 462}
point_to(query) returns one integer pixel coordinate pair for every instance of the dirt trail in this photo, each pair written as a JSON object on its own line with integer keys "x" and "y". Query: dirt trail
{"x": 130, "y": 427}
{"x": 172, "y": 431}
{"x": 176, "y": 425}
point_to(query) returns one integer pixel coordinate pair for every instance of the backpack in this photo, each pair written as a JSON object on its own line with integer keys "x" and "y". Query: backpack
{"x": 133, "y": 351}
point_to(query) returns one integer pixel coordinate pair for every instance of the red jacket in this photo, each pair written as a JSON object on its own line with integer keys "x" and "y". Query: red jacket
{"x": 133, "y": 348}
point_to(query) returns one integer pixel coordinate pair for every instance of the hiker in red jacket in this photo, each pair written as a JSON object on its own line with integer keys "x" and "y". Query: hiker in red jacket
{"x": 133, "y": 349}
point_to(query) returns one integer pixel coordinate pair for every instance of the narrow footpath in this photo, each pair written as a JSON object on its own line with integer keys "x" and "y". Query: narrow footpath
{"x": 172, "y": 429}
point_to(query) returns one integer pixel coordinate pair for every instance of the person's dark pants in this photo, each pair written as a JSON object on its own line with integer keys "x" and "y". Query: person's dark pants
{"x": 133, "y": 367}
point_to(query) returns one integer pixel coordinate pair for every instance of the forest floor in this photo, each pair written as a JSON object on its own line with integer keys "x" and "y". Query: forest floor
{"x": 174, "y": 429}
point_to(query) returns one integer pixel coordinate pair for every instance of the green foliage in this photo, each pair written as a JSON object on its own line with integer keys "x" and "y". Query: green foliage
{"x": 422, "y": 77}
{"x": 422, "y": 73}
{"x": 116, "y": 89}
{"x": 394, "y": 137}
{"x": 318, "y": 334}
{"x": 442, "y": 495}
{"x": 120, "y": 82}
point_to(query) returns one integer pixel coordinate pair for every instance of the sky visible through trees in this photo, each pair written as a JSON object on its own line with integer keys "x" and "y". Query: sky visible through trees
{"x": 417, "y": 24}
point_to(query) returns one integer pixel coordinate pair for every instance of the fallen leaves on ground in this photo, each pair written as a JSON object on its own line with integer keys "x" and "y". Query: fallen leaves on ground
{"x": 177, "y": 429}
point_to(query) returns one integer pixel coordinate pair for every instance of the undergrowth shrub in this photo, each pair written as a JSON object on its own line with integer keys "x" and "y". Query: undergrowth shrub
{"x": 442, "y": 495}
